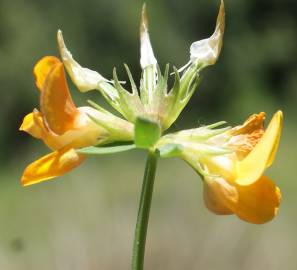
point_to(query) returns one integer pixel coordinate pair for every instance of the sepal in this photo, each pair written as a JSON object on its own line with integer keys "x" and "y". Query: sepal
{"x": 170, "y": 150}
{"x": 118, "y": 129}
{"x": 106, "y": 149}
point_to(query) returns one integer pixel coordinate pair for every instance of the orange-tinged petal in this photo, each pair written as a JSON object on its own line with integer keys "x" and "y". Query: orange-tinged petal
{"x": 42, "y": 69}
{"x": 257, "y": 203}
{"x": 246, "y": 136}
{"x": 215, "y": 192}
{"x": 252, "y": 167}
{"x": 38, "y": 120}
{"x": 57, "y": 107}
{"x": 253, "y": 123}
{"x": 86, "y": 132}
{"x": 52, "y": 165}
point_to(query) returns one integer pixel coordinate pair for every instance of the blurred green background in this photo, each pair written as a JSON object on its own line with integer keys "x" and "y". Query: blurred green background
{"x": 85, "y": 220}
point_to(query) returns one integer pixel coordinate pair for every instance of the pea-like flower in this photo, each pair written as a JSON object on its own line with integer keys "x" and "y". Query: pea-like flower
{"x": 231, "y": 163}
{"x": 63, "y": 127}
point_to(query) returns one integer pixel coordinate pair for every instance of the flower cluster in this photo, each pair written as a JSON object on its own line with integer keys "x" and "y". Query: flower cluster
{"x": 230, "y": 161}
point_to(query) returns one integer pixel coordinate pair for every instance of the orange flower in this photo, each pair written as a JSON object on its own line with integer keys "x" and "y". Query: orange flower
{"x": 231, "y": 163}
{"x": 238, "y": 185}
{"x": 59, "y": 124}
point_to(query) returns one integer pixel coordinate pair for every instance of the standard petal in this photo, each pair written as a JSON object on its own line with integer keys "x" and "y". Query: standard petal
{"x": 207, "y": 51}
{"x": 42, "y": 69}
{"x": 57, "y": 107}
{"x": 52, "y": 165}
{"x": 215, "y": 193}
{"x": 257, "y": 203}
{"x": 252, "y": 167}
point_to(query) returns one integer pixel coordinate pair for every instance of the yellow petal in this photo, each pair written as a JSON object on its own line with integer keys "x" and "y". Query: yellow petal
{"x": 29, "y": 125}
{"x": 258, "y": 202}
{"x": 215, "y": 192}
{"x": 52, "y": 165}
{"x": 252, "y": 167}
{"x": 42, "y": 68}
{"x": 276, "y": 142}
{"x": 57, "y": 107}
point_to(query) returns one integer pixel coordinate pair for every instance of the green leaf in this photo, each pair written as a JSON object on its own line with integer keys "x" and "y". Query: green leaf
{"x": 170, "y": 150}
{"x": 147, "y": 133}
{"x": 105, "y": 150}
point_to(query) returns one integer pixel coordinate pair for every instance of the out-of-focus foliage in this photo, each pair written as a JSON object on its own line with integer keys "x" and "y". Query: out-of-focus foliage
{"x": 85, "y": 220}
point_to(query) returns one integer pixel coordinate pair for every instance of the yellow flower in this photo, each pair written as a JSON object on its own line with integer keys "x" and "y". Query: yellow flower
{"x": 231, "y": 163}
{"x": 62, "y": 126}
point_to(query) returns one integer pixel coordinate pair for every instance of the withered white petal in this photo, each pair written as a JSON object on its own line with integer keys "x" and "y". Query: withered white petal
{"x": 147, "y": 57}
{"x": 85, "y": 79}
{"x": 206, "y": 51}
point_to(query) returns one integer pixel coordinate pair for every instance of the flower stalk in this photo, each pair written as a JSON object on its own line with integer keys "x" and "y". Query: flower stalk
{"x": 144, "y": 211}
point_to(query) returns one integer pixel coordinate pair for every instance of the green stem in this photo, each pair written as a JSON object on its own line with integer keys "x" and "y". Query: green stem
{"x": 144, "y": 211}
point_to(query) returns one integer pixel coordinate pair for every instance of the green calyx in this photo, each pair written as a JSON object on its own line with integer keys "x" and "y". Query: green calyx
{"x": 152, "y": 100}
{"x": 197, "y": 142}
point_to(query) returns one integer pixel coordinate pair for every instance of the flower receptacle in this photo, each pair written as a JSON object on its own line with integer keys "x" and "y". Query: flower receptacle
{"x": 147, "y": 133}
